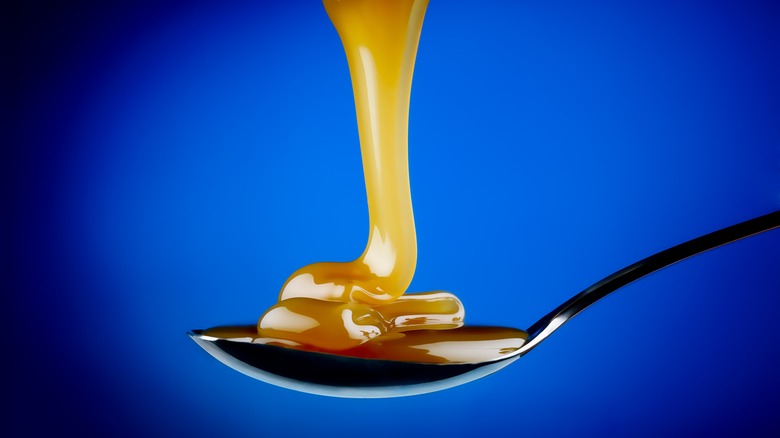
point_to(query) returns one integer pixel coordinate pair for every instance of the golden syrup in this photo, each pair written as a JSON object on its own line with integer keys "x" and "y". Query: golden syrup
{"x": 380, "y": 40}
{"x": 470, "y": 344}
{"x": 360, "y": 308}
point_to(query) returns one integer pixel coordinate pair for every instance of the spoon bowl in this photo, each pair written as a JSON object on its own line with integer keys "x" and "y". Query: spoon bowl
{"x": 341, "y": 376}
{"x": 358, "y": 377}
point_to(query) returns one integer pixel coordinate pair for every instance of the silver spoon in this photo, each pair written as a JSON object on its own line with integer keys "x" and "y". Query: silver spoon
{"x": 354, "y": 377}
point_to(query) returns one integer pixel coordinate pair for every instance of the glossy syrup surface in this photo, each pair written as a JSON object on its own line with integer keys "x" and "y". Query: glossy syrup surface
{"x": 469, "y": 344}
{"x": 360, "y": 308}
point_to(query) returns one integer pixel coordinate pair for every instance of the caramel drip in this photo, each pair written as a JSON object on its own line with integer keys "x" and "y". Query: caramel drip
{"x": 337, "y": 306}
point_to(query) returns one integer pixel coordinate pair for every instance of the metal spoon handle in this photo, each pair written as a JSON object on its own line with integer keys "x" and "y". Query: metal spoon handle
{"x": 555, "y": 319}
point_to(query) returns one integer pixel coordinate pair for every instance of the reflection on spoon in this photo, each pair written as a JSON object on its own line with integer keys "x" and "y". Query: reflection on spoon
{"x": 428, "y": 361}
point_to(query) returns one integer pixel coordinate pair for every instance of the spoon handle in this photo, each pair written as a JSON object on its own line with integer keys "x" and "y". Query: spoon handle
{"x": 555, "y": 319}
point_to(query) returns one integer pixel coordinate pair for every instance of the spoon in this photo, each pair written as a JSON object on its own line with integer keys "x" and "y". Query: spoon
{"x": 354, "y": 377}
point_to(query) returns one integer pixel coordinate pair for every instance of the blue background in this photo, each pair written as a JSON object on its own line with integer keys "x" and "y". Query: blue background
{"x": 171, "y": 164}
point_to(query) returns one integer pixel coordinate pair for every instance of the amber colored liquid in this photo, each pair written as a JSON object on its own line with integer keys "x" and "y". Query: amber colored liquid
{"x": 380, "y": 40}
{"x": 463, "y": 345}
{"x": 360, "y": 307}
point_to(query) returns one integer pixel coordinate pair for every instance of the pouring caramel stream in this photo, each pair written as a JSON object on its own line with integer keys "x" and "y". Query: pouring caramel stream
{"x": 380, "y": 39}
{"x": 360, "y": 308}
{"x": 337, "y": 306}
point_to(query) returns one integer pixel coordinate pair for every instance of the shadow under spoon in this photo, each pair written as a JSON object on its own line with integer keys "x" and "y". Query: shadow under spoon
{"x": 355, "y": 377}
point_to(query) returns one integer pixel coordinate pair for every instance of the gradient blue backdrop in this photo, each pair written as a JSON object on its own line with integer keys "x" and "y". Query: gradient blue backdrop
{"x": 170, "y": 164}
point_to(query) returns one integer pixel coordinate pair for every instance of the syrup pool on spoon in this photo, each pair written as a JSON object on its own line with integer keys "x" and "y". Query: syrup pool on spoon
{"x": 348, "y": 329}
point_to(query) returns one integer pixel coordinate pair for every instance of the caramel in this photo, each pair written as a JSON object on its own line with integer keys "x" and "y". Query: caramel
{"x": 360, "y": 307}
{"x": 470, "y": 344}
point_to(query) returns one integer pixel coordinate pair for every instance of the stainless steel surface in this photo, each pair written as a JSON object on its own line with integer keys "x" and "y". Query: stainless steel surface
{"x": 342, "y": 376}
